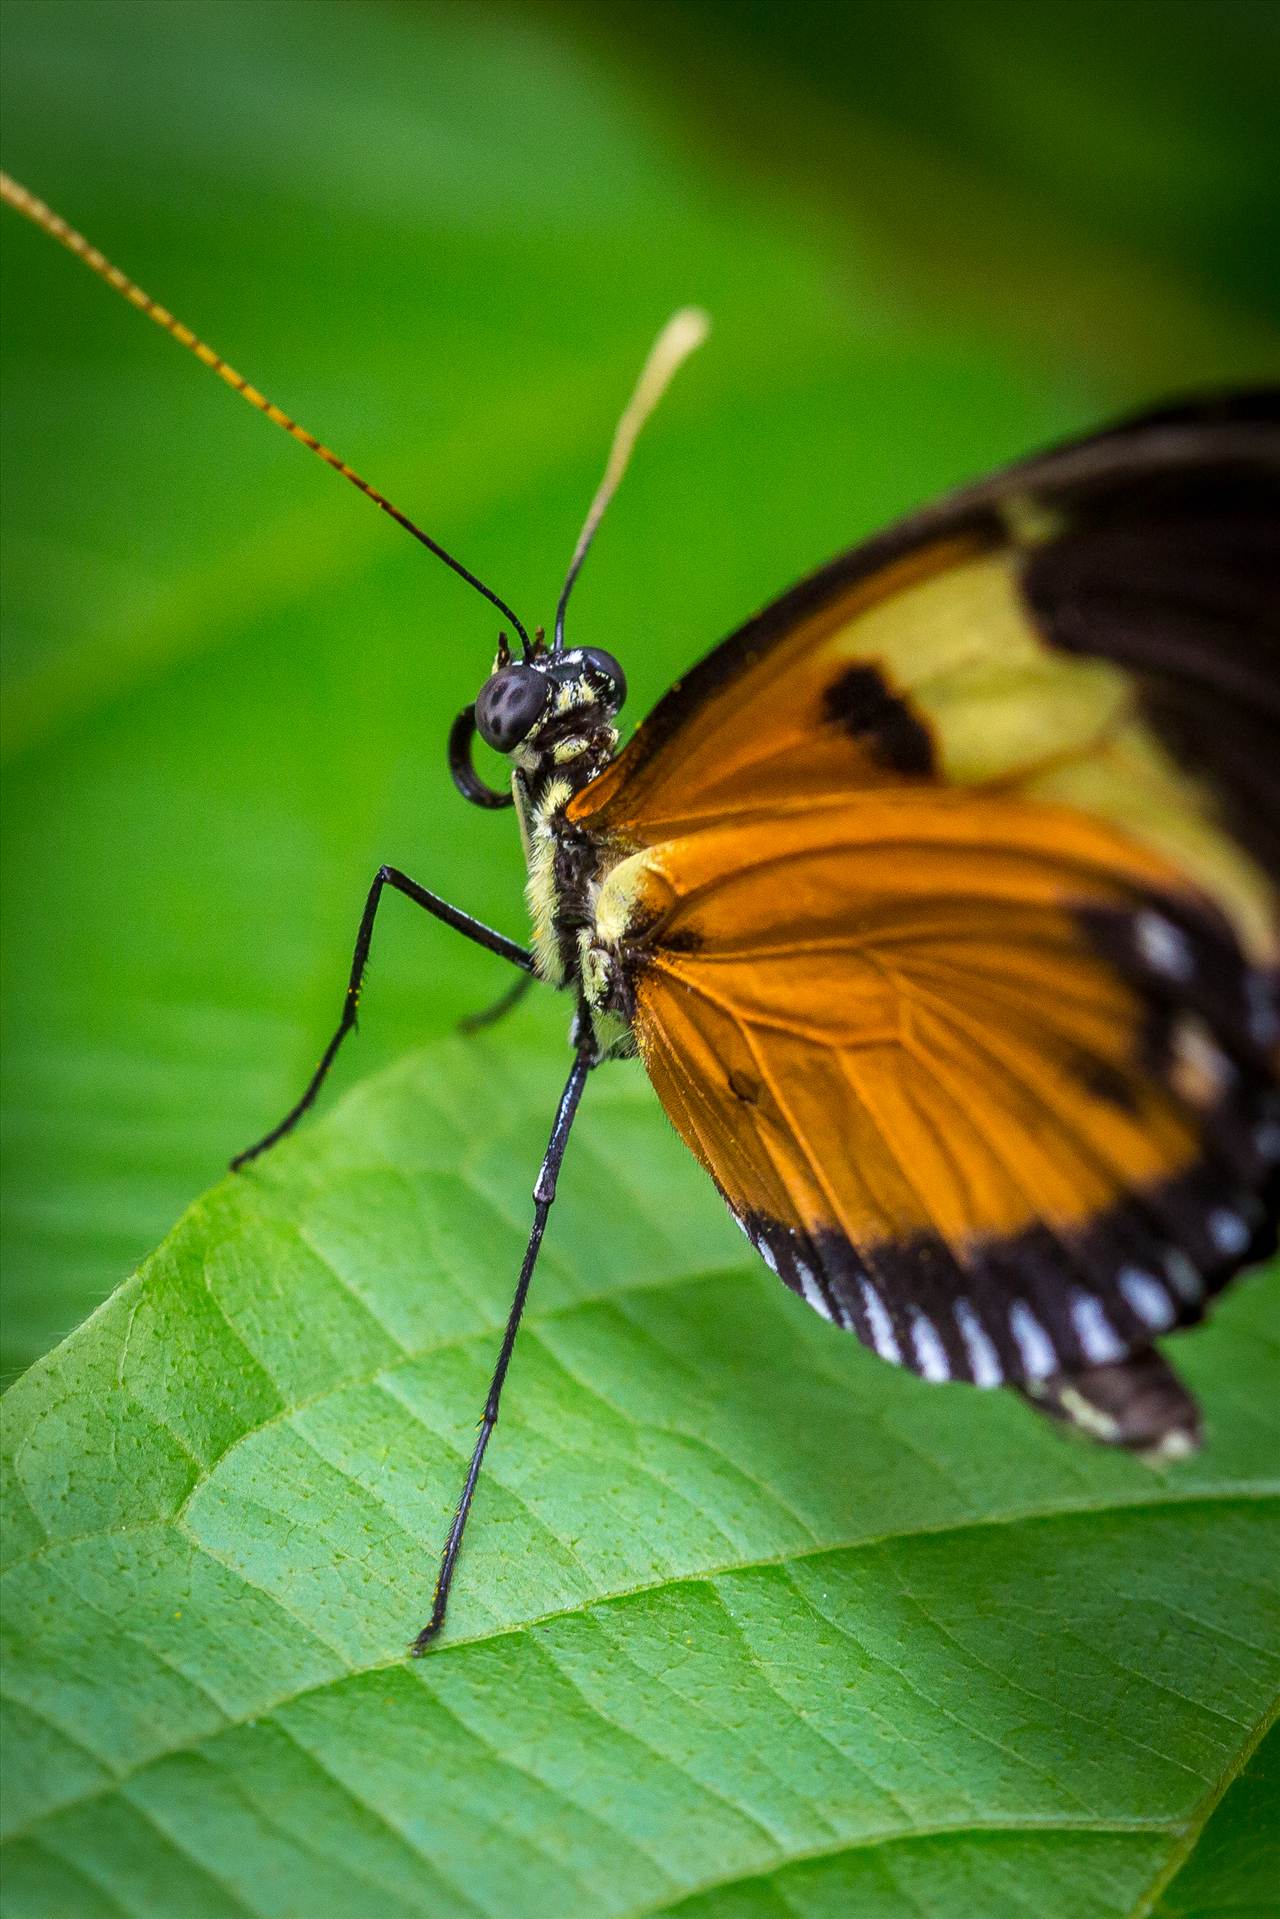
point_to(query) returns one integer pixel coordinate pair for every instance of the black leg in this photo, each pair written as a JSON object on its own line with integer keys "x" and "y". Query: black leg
{"x": 461, "y": 922}
{"x": 544, "y": 1193}
{"x": 490, "y": 1015}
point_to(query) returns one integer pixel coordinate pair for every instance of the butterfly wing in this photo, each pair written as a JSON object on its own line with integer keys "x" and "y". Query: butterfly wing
{"x": 1100, "y": 626}
{"x": 945, "y": 917}
{"x": 982, "y": 1084}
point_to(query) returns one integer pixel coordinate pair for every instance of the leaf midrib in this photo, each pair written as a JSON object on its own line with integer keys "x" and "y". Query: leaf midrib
{"x": 1243, "y": 1494}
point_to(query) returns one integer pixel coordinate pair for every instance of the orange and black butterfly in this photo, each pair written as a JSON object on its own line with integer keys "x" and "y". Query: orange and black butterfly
{"x": 940, "y": 903}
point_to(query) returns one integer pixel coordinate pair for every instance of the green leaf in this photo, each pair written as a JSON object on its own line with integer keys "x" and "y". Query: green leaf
{"x": 746, "y": 1624}
{"x": 1235, "y": 1867}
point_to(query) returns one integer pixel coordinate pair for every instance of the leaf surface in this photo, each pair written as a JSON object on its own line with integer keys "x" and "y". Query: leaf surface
{"x": 748, "y": 1626}
{"x": 746, "y": 1623}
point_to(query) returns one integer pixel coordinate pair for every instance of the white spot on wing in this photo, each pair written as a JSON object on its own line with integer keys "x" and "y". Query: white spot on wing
{"x": 1175, "y": 1444}
{"x": 1146, "y": 1297}
{"x": 1201, "y": 1070}
{"x": 1038, "y": 1356}
{"x": 811, "y": 1290}
{"x": 1264, "y": 1026}
{"x": 879, "y": 1324}
{"x": 1183, "y": 1274}
{"x": 1163, "y": 946}
{"x": 1228, "y": 1231}
{"x": 984, "y": 1360}
{"x": 766, "y": 1252}
{"x": 931, "y": 1354}
{"x": 1099, "y": 1341}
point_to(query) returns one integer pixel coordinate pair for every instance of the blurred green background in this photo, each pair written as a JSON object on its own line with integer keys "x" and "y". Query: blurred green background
{"x": 931, "y": 236}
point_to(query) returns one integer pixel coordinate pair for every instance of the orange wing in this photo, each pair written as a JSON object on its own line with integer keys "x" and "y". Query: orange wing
{"x": 943, "y": 906}
{"x": 979, "y": 1079}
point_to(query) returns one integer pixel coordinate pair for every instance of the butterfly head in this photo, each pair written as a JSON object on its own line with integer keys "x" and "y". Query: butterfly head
{"x": 552, "y": 712}
{"x": 524, "y": 699}
{"x": 548, "y": 711}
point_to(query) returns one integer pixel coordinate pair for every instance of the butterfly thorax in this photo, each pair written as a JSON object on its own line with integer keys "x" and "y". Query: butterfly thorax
{"x": 568, "y": 747}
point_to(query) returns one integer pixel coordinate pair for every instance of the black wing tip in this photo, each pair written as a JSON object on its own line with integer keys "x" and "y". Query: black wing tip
{"x": 1138, "y": 1404}
{"x": 1226, "y": 404}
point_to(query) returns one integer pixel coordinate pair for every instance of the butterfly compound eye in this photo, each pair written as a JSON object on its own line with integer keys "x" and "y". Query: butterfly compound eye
{"x": 510, "y": 704}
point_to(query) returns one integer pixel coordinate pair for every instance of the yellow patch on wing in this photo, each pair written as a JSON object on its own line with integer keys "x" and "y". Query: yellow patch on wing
{"x": 960, "y": 688}
{"x": 1131, "y": 781}
{"x": 959, "y": 644}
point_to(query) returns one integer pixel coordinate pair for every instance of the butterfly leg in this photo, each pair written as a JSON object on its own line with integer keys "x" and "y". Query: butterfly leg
{"x": 490, "y": 1015}
{"x": 431, "y": 903}
{"x": 544, "y": 1193}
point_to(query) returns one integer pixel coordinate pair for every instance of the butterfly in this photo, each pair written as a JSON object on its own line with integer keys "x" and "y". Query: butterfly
{"x": 939, "y": 902}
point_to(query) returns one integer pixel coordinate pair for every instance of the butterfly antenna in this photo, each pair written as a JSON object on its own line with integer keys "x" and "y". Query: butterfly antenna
{"x": 35, "y": 210}
{"x": 682, "y": 335}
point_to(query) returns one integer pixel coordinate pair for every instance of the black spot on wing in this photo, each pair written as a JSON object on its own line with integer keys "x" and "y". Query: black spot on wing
{"x": 1105, "y": 1081}
{"x": 681, "y": 939}
{"x": 861, "y": 703}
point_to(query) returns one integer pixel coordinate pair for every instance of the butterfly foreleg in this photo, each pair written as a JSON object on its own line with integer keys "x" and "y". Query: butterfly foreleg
{"x": 544, "y": 1193}
{"x": 430, "y": 902}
